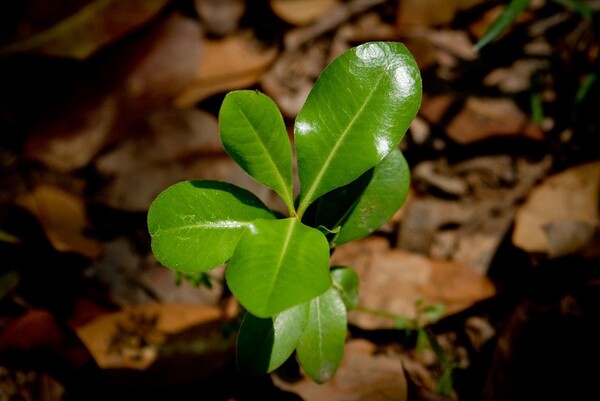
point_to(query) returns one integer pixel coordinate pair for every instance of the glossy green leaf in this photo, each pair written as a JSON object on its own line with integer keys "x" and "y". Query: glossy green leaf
{"x": 364, "y": 205}
{"x": 264, "y": 344}
{"x": 254, "y": 135}
{"x": 195, "y": 225}
{"x": 357, "y": 112}
{"x": 508, "y": 16}
{"x": 278, "y": 264}
{"x": 345, "y": 280}
{"x": 321, "y": 346}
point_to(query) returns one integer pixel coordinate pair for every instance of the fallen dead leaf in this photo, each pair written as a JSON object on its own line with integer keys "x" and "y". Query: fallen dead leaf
{"x": 63, "y": 217}
{"x": 301, "y": 12}
{"x": 433, "y": 108}
{"x": 234, "y": 62}
{"x": 483, "y": 118}
{"x": 104, "y": 104}
{"x": 364, "y": 375}
{"x": 561, "y": 215}
{"x": 91, "y": 28}
{"x": 38, "y": 330}
{"x": 132, "y": 337}
{"x": 413, "y": 13}
{"x": 154, "y": 156}
{"x": 393, "y": 281}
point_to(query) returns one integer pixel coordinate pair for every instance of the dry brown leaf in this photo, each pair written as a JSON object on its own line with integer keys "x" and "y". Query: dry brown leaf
{"x": 153, "y": 157}
{"x": 434, "y": 107}
{"x": 94, "y": 26}
{"x": 132, "y": 337}
{"x": 63, "y": 218}
{"x": 413, "y": 13}
{"x": 103, "y": 105}
{"x": 560, "y": 215}
{"x": 482, "y": 118}
{"x": 393, "y": 280}
{"x": 70, "y": 139}
{"x": 235, "y": 62}
{"x": 35, "y": 329}
{"x": 302, "y": 12}
{"x": 363, "y": 375}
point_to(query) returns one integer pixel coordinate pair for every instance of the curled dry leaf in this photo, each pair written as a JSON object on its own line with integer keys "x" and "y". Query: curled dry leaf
{"x": 235, "y": 62}
{"x": 63, "y": 218}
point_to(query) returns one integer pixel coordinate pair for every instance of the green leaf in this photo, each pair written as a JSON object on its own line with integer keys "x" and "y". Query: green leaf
{"x": 345, "y": 280}
{"x": 403, "y": 323}
{"x": 508, "y": 16}
{"x": 278, "y": 264}
{"x": 321, "y": 346}
{"x": 195, "y": 225}
{"x": 264, "y": 344}
{"x": 254, "y": 135}
{"x": 356, "y": 113}
{"x": 432, "y": 313}
{"x": 362, "y": 206}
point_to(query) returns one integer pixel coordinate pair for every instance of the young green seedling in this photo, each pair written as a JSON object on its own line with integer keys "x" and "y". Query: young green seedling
{"x": 353, "y": 178}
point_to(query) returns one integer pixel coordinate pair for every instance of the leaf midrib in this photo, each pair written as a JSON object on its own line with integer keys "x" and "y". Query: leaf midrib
{"x": 222, "y": 225}
{"x": 287, "y": 191}
{"x": 306, "y": 200}
{"x": 277, "y": 271}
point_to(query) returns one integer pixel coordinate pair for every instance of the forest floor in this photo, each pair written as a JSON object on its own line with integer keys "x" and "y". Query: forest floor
{"x": 487, "y": 280}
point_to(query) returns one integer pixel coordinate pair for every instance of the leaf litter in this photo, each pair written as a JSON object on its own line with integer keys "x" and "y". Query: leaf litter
{"x": 500, "y": 227}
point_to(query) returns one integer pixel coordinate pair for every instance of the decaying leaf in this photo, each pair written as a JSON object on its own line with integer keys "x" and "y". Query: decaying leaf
{"x": 482, "y": 118}
{"x": 234, "y": 62}
{"x": 413, "y": 13}
{"x": 561, "y": 214}
{"x": 104, "y": 104}
{"x": 363, "y": 375}
{"x": 301, "y": 12}
{"x": 132, "y": 338}
{"x": 63, "y": 217}
{"x": 153, "y": 156}
{"x": 393, "y": 280}
{"x": 94, "y": 26}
